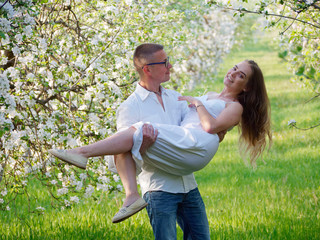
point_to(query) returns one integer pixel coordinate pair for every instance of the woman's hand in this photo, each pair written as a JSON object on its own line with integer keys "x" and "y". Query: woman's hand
{"x": 193, "y": 101}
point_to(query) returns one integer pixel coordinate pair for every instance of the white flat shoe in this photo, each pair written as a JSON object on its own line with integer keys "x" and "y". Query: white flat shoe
{"x": 74, "y": 159}
{"x": 127, "y": 212}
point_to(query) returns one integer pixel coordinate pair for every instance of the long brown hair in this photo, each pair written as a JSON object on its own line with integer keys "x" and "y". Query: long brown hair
{"x": 255, "y": 122}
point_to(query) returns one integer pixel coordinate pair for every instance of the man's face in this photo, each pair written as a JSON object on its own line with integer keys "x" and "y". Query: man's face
{"x": 159, "y": 72}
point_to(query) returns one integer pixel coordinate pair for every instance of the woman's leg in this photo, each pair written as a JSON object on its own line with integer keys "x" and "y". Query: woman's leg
{"x": 126, "y": 169}
{"x": 121, "y": 142}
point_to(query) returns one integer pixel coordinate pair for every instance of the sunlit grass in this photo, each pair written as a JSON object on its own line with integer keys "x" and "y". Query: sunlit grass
{"x": 277, "y": 200}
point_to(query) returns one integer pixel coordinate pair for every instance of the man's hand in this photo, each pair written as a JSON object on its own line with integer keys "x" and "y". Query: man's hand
{"x": 221, "y": 135}
{"x": 149, "y": 137}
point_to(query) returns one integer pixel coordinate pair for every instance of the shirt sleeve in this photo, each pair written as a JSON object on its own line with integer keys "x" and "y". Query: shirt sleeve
{"x": 184, "y": 109}
{"x": 182, "y": 105}
{"x": 127, "y": 114}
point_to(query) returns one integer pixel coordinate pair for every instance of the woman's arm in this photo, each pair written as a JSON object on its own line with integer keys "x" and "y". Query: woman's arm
{"x": 228, "y": 118}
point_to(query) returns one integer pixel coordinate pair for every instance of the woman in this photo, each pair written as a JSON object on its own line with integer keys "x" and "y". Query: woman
{"x": 187, "y": 148}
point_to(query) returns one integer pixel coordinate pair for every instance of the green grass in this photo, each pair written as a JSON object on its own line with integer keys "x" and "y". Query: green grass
{"x": 278, "y": 200}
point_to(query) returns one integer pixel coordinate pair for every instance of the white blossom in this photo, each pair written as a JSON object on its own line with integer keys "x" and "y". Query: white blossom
{"x": 29, "y": 20}
{"x": 16, "y": 51}
{"x": 80, "y": 63}
{"x": 30, "y": 76}
{"x": 28, "y": 31}
{"x": 119, "y": 187}
{"x": 83, "y": 107}
{"x": 74, "y": 199}
{"x": 116, "y": 178}
{"x": 104, "y": 179}
{"x": 3, "y": 60}
{"x": 66, "y": 203}
{"x": 103, "y": 187}
{"x": 4, "y": 192}
{"x": 9, "y": 9}
{"x": 43, "y": 44}
{"x": 72, "y": 142}
{"x": 53, "y": 182}
{"x": 18, "y": 38}
{"x": 291, "y": 122}
{"x": 89, "y": 191}
{"x": 60, "y": 176}
{"x": 40, "y": 208}
{"x": 79, "y": 185}
{"x": 6, "y": 40}
{"x": 62, "y": 191}
{"x": 5, "y": 25}
{"x": 83, "y": 176}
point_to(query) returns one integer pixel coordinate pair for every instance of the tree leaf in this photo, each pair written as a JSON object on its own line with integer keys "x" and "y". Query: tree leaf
{"x": 300, "y": 70}
{"x": 283, "y": 54}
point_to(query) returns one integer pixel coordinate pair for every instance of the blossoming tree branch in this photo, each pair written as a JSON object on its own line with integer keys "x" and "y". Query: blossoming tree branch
{"x": 66, "y": 65}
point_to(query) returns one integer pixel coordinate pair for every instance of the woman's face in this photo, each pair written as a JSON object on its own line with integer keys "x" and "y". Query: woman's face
{"x": 237, "y": 77}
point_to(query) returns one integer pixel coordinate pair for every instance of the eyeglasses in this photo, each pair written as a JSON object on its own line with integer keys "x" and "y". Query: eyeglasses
{"x": 166, "y": 63}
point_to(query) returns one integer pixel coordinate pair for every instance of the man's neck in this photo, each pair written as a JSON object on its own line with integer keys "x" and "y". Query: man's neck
{"x": 151, "y": 87}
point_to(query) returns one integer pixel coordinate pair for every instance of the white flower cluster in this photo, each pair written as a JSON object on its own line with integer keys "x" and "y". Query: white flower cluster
{"x": 292, "y": 122}
{"x": 40, "y": 209}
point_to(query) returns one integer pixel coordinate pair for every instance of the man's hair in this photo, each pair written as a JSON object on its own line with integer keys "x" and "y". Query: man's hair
{"x": 143, "y": 54}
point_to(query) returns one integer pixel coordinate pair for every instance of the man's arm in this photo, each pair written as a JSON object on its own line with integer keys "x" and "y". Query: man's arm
{"x": 127, "y": 114}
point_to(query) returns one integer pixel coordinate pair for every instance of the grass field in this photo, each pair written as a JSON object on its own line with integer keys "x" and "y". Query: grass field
{"x": 278, "y": 200}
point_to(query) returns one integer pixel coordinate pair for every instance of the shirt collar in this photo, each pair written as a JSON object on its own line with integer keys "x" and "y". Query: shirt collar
{"x": 144, "y": 93}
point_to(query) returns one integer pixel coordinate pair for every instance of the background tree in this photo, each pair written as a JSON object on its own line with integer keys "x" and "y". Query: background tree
{"x": 66, "y": 66}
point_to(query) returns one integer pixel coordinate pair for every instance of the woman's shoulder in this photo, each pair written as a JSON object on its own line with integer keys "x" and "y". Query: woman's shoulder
{"x": 235, "y": 106}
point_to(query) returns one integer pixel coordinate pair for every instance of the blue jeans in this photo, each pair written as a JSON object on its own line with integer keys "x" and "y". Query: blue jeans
{"x": 165, "y": 209}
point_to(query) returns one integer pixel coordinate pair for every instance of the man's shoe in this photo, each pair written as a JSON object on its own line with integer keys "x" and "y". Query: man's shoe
{"x": 74, "y": 159}
{"x": 127, "y": 212}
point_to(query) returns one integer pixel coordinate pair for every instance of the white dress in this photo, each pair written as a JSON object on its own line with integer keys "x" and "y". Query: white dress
{"x": 181, "y": 150}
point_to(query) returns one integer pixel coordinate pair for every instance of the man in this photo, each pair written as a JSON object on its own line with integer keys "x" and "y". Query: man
{"x": 170, "y": 198}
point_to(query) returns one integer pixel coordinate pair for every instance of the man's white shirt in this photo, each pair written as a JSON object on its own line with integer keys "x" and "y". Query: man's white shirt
{"x": 143, "y": 105}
